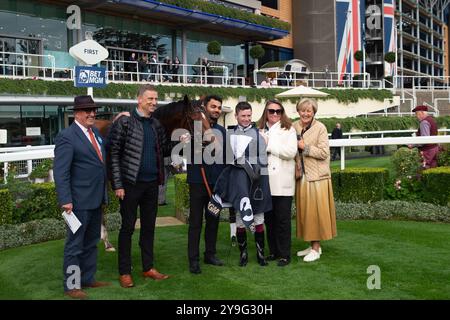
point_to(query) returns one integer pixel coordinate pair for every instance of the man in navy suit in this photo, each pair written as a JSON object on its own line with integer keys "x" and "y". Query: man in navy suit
{"x": 80, "y": 178}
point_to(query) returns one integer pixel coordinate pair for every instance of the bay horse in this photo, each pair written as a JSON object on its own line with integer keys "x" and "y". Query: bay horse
{"x": 174, "y": 115}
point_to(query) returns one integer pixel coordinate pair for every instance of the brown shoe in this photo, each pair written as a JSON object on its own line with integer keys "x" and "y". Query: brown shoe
{"x": 97, "y": 284}
{"x": 126, "y": 281}
{"x": 76, "y": 294}
{"x": 154, "y": 274}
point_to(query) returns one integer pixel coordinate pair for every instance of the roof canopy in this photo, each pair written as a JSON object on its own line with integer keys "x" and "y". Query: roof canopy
{"x": 182, "y": 18}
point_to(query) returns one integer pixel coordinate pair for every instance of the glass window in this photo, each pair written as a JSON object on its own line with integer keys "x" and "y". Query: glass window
{"x": 10, "y": 120}
{"x": 270, "y": 3}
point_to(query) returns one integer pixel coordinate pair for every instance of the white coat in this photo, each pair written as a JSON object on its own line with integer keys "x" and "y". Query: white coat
{"x": 281, "y": 149}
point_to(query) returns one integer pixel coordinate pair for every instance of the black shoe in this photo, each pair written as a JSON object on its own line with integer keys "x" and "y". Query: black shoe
{"x": 243, "y": 259}
{"x": 271, "y": 257}
{"x": 195, "y": 268}
{"x": 214, "y": 261}
{"x": 283, "y": 262}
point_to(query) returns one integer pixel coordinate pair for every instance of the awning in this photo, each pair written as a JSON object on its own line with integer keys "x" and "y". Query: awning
{"x": 301, "y": 91}
{"x": 183, "y": 19}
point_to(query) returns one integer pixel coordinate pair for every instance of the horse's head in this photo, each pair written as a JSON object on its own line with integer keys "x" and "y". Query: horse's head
{"x": 183, "y": 114}
{"x": 195, "y": 111}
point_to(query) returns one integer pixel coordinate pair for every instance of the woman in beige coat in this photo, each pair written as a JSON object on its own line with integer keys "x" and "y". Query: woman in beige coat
{"x": 316, "y": 214}
{"x": 277, "y": 130}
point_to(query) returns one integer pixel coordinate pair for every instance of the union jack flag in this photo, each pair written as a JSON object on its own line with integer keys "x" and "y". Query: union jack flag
{"x": 348, "y": 31}
{"x": 390, "y": 34}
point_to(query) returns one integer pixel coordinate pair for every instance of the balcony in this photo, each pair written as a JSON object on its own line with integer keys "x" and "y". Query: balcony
{"x": 374, "y": 35}
{"x": 408, "y": 36}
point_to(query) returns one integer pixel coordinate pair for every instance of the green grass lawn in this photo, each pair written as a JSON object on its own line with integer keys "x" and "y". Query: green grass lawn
{"x": 169, "y": 209}
{"x": 372, "y": 162}
{"x": 413, "y": 258}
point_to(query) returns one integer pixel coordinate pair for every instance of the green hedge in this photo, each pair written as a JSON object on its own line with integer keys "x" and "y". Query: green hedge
{"x": 206, "y": 6}
{"x": 6, "y": 207}
{"x": 42, "y": 202}
{"x": 359, "y": 184}
{"x": 398, "y": 210}
{"x": 182, "y": 196}
{"x": 379, "y": 123}
{"x": 113, "y": 202}
{"x": 16, "y": 235}
{"x": 129, "y": 91}
{"x": 436, "y": 185}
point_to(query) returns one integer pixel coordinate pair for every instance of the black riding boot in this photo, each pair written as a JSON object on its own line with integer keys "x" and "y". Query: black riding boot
{"x": 242, "y": 243}
{"x": 259, "y": 240}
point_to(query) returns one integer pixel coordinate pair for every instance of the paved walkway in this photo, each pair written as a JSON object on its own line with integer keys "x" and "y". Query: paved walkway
{"x": 163, "y": 222}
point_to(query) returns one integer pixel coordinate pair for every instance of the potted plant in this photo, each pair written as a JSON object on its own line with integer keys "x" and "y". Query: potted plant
{"x": 257, "y": 52}
{"x": 358, "y": 55}
{"x": 41, "y": 171}
{"x": 214, "y": 48}
{"x": 389, "y": 57}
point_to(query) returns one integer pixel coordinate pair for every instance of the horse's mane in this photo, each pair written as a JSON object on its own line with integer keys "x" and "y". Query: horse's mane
{"x": 169, "y": 109}
{"x": 177, "y": 114}
{"x": 176, "y": 107}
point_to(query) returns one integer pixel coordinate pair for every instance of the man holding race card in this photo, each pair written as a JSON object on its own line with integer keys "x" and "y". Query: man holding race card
{"x": 80, "y": 178}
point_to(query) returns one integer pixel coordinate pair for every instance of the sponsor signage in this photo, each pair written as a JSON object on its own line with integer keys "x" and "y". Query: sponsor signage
{"x": 90, "y": 77}
{"x": 89, "y": 52}
{"x": 33, "y": 131}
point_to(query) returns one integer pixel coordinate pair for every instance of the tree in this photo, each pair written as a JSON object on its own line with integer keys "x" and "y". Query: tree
{"x": 214, "y": 47}
{"x": 389, "y": 57}
{"x": 257, "y": 52}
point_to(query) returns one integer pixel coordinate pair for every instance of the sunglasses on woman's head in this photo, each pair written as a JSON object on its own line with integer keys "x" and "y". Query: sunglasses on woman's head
{"x": 273, "y": 111}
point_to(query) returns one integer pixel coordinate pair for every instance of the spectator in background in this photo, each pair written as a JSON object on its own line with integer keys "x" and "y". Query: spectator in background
{"x": 153, "y": 67}
{"x": 266, "y": 83}
{"x": 143, "y": 67}
{"x": 427, "y": 127}
{"x": 206, "y": 70}
{"x": 176, "y": 69}
{"x": 167, "y": 69}
{"x": 336, "y": 134}
{"x": 132, "y": 66}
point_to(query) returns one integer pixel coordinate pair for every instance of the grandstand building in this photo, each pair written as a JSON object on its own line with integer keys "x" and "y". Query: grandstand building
{"x": 330, "y": 32}
{"x": 35, "y": 37}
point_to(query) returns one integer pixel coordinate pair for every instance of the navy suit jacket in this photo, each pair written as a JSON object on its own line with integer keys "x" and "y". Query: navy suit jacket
{"x": 80, "y": 176}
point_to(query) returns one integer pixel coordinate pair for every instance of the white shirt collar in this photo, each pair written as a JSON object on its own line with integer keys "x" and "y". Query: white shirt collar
{"x": 83, "y": 128}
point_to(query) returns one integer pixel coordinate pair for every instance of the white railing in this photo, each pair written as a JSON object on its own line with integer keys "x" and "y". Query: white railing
{"x": 381, "y": 133}
{"x": 342, "y": 143}
{"x": 26, "y": 148}
{"x": 25, "y": 67}
{"x": 317, "y": 79}
{"x": 48, "y": 151}
{"x": 163, "y": 73}
{"x": 25, "y": 158}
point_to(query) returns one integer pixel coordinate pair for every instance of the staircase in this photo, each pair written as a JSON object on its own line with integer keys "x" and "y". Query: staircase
{"x": 436, "y": 98}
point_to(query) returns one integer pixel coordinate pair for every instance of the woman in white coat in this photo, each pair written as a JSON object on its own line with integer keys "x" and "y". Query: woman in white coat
{"x": 281, "y": 140}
